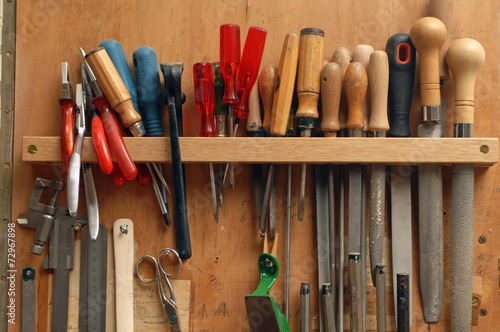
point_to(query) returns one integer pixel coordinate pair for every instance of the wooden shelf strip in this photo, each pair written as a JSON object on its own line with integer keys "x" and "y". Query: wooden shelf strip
{"x": 478, "y": 151}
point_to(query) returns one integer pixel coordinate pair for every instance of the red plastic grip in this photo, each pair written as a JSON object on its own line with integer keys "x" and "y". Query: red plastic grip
{"x": 117, "y": 175}
{"x": 143, "y": 175}
{"x": 249, "y": 68}
{"x": 101, "y": 146}
{"x": 229, "y": 60}
{"x": 67, "y": 130}
{"x": 115, "y": 138}
{"x": 204, "y": 93}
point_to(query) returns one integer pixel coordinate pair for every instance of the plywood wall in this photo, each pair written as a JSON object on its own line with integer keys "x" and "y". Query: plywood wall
{"x": 223, "y": 268}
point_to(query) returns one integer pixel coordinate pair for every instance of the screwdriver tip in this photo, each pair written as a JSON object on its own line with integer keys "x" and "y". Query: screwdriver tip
{"x": 166, "y": 217}
{"x": 221, "y": 201}
{"x": 82, "y": 52}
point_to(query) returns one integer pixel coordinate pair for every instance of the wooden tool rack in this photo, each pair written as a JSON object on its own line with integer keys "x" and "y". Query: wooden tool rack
{"x": 39, "y": 35}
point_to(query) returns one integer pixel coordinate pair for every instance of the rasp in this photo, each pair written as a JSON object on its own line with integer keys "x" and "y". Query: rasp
{"x": 428, "y": 35}
{"x": 402, "y": 57}
{"x": 465, "y": 58}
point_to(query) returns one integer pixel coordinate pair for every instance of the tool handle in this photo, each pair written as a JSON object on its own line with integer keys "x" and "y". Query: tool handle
{"x": 444, "y": 10}
{"x": 67, "y": 130}
{"x": 249, "y": 68}
{"x": 205, "y": 97}
{"x": 117, "y": 56}
{"x": 101, "y": 146}
{"x": 112, "y": 85}
{"x": 219, "y": 107}
{"x": 149, "y": 93}
{"x": 143, "y": 175}
{"x": 123, "y": 242}
{"x": 342, "y": 56}
{"x": 378, "y": 78}
{"x": 428, "y": 35}
{"x": 230, "y": 60}
{"x": 254, "y": 122}
{"x": 355, "y": 85}
{"x": 361, "y": 53}
{"x": 267, "y": 83}
{"x": 402, "y": 58}
{"x": 331, "y": 87}
{"x": 311, "y": 48}
{"x": 285, "y": 83}
{"x": 117, "y": 175}
{"x": 115, "y": 138}
{"x": 73, "y": 186}
{"x": 465, "y": 58}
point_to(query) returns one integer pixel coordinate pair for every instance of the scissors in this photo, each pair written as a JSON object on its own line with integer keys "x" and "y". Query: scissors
{"x": 162, "y": 277}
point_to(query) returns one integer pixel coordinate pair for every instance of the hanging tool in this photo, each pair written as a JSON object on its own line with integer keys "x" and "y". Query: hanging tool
{"x": 230, "y": 63}
{"x": 29, "y": 300}
{"x": 119, "y": 60}
{"x": 428, "y": 35}
{"x": 205, "y": 99}
{"x": 61, "y": 252}
{"x": 262, "y": 311}
{"x": 403, "y": 302}
{"x": 68, "y": 106}
{"x": 93, "y": 280}
{"x": 305, "y": 307}
{"x": 322, "y": 236}
{"x": 248, "y": 71}
{"x": 341, "y": 56}
{"x": 267, "y": 84}
{"x": 174, "y": 98}
{"x": 98, "y": 136}
{"x": 331, "y": 85}
{"x": 221, "y": 111}
{"x": 381, "y": 298}
{"x": 48, "y": 211}
{"x": 402, "y": 58}
{"x": 150, "y": 100}
{"x": 310, "y": 63}
{"x": 161, "y": 276}
{"x": 281, "y": 106}
{"x": 355, "y": 83}
{"x": 465, "y": 57}
{"x": 254, "y": 129}
{"x": 123, "y": 243}
{"x": 111, "y": 128}
{"x": 378, "y": 78}
{"x": 73, "y": 189}
{"x": 361, "y": 53}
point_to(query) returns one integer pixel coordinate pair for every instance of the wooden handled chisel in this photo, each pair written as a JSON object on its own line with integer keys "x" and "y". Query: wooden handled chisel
{"x": 428, "y": 35}
{"x": 355, "y": 85}
{"x": 465, "y": 58}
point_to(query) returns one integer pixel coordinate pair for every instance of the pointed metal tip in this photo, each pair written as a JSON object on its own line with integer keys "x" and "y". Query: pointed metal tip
{"x": 300, "y": 213}
{"x": 65, "y": 72}
{"x": 82, "y": 52}
{"x": 221, "y": 201}
{"x": 166, "y": 217}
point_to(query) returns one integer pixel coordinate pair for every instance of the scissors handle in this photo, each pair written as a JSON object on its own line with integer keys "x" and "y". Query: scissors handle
{"x": 167, "y": 252}
{"x": 139, "y": 274}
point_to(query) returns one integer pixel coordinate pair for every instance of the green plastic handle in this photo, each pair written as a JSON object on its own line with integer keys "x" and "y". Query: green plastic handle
{"x": 219, "y": 108}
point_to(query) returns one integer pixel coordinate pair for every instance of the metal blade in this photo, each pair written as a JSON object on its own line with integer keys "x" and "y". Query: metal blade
{"x": 91, "y": 198}
{"x": 258, "y": 182}
{"x": 377, "y": 217}
{"x": 401, "y": 225}
{"x": 29, "y": 300}
{"x": 354, "y": 208}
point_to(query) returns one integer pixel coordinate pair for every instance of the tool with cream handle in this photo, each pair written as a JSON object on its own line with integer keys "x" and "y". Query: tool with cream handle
{"x": 123, "y": 242}
{"x": 465, "y": 58}
{"x": 427, "y": 35}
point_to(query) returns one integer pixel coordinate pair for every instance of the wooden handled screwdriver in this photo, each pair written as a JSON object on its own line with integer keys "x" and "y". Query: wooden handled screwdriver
{"x": 311, "y": 48}
{"x": 427, "y": 35}
{"x": 465, "y": 58}
{"x": 355, "y": 84}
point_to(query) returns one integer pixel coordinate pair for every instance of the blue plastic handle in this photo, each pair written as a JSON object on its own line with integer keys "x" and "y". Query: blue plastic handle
{"x": 117, "y": 56}
{"x": 149, "y": 93}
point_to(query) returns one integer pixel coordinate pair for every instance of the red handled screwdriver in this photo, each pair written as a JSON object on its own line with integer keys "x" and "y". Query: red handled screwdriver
{"x": 230, "y": 63}
{"x": 68, "y": 118}
{"x": 205, "y": 100}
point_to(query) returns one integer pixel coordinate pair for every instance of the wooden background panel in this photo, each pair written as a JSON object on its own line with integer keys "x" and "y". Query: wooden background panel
{"x": 224, "y": 264}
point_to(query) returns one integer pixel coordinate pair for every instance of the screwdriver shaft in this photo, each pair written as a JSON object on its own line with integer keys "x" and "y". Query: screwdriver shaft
{"x": 214, "y": 195}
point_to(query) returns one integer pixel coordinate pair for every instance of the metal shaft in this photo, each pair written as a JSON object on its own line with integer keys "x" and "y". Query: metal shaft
{"x": 305, "y": 307}
{"x": 214, "y": 194}
{"x": 357, "y": 322}
{"x": 288, "y": 233}
{"x": 328, "y": 312}
{"x": 380, "y": 276}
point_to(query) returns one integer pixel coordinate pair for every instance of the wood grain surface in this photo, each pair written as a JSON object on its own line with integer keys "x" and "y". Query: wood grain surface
{"x": 223, "y": 268}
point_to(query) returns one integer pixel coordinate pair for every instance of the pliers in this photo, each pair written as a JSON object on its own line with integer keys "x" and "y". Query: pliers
{"x": 67, "y": 105}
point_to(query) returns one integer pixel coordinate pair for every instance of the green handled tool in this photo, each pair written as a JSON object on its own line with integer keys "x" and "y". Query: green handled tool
{"x": 263, "y": 312}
